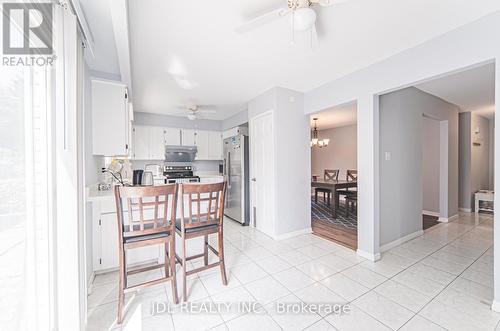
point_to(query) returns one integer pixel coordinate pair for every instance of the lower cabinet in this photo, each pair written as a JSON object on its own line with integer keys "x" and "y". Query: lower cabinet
{"x": 105, "y": 240}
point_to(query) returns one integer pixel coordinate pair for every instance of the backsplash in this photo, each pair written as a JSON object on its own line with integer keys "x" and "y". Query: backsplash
{"x": 200, "y": 166}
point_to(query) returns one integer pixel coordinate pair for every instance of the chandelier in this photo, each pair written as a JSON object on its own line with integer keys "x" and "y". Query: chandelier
{"x": 315, "y": 142}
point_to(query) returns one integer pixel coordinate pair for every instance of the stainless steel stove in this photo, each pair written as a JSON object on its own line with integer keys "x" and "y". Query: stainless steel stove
{"x": 179, "y": 174}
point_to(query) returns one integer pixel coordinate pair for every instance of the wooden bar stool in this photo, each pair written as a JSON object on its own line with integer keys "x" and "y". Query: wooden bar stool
{"x": 202, "y": 214}
{"x": 136, "y": 229}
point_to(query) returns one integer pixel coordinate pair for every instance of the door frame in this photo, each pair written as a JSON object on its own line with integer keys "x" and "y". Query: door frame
{"x": 252, "y": 139}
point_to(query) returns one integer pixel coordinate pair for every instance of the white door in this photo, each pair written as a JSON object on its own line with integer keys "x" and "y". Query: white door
{"x": 202, "y": 144}
{"x": 140, "y": 146}
{"x": 215, "y": 145}
{"x": 262, "y": 172}
{"x": 188, "y": 137}
{"x": 156, "y": 143}
{"x": 173, "y": 136}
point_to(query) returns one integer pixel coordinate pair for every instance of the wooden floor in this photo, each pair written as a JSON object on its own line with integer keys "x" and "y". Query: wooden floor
{"x": 340, "y": 235}
{"x": 348, "y": 237}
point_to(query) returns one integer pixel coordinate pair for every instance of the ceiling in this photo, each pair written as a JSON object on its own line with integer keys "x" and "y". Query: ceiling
{"x": 471, "y": 90}
{"x": 187, "y": 51}
{"x": 336, "y": 117}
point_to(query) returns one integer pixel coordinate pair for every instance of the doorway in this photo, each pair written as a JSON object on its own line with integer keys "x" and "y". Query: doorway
{"x": 334, "y": 205}
{"x": 262, "y": 172}
{"x": 430, "y": 171}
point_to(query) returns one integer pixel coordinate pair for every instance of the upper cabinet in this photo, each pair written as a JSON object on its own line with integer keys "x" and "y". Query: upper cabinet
{"x": 148, "y": 142}
{"x": 173, "y": 136}
{"x": 110, "y": 118}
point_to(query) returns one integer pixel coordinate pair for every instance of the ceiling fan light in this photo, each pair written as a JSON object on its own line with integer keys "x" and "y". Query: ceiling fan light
{"x": 303, "y": 19}
{"x": 191, "y": 117}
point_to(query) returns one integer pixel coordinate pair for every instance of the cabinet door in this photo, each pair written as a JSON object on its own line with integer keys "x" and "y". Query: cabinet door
{"x": 173, "y": 137}
{"x": 110, "y": 118}
{"x": 108, "y": 241}
{"x": 188, "y": 137}
{"x": 141, "y": 142}
{"x": 156, "y": 143}
{"x": 215, "y": 145}
{"x": 202, "y": 144}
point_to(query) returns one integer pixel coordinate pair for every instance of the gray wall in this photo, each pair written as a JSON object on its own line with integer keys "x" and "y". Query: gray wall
{"x": 464, "y": 168}
{"x": 480, "y": 162}
{"x": 175, "y": 121}
{"x": 476, "y": 163}
{"x": 341, "y": 152}
{"x": 430, "y": 164}
{"x": 292, "y": 157}
{"x": 401, "y": 186}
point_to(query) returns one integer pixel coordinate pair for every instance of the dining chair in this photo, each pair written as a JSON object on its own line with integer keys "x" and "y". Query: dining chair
{"x": 351, "y": 196}
{"x": 148, "y": 219}
{"x": 203, "y": 216}
{"x": 328, "y": 175}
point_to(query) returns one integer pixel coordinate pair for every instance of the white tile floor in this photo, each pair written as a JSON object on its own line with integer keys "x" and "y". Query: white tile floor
{"x": 441, "y": 280}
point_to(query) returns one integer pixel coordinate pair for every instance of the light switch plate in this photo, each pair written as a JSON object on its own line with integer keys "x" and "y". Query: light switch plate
{"x": 387, "y": 156}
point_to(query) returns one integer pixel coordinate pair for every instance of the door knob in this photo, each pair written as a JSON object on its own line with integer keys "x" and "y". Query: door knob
{"x": 254, "y": 179}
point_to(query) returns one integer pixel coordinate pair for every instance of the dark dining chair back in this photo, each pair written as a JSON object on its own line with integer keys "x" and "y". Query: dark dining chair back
{"x": 352, "y": 175}
{"x": 331, "y": 175}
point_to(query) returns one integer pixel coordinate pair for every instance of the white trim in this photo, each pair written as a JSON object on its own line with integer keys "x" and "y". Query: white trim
{"x": 90, "y": 283}
{"x": 465, "y": 210}
{"x": 293, "y": 234}
{"x": 430, "y": 213}
{"x": 368, "y": 256}
{"x": 495, "y": 306}
{"x": 448, "y": 219}
{"x": 401, "y": 240}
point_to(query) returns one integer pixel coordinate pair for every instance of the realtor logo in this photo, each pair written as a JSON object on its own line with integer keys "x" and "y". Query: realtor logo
{"x": 27, "y": 28}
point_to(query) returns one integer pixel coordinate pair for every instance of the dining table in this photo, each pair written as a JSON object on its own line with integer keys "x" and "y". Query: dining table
{"x": 334, "y": 185}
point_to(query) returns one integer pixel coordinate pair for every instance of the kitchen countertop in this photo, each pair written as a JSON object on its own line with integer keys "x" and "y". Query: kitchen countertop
{"x": 92, "y": 194}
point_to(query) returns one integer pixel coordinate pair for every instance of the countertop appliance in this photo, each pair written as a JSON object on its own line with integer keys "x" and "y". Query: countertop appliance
{"x": 147, "y": 178}
{"x": 179, "y": 174}
{"x": 184, "y": 154}
{"x": 236, "y": 174}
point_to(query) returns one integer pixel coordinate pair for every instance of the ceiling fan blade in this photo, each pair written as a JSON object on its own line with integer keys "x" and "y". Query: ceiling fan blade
{"x": 207, "y": 111}
{"x": 261, "y": 20}
{"x": 314, "y": 38}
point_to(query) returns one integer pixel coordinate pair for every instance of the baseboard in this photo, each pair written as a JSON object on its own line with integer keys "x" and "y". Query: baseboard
{"x": 430, "y": 213}
{"x": 465, "y": 210}
{"x": 401, "y": 240}
{"x": 448, "y": 219}
{"x": 292, "y": 234}
{"x": 495, "y": 306}
{"x": 368, "y": 256}
{"x": 90, "y": 283}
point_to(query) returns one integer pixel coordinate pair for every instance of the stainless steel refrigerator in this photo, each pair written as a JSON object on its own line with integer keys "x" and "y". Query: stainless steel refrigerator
{"x": 236, "y": 170}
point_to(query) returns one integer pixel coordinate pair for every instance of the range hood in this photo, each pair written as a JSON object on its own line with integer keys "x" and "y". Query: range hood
{"x": 180, "y": 153}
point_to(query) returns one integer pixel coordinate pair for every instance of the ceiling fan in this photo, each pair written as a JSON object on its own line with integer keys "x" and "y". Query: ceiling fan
{"x": 192, "y": 111}
{"x": 303, "y": 17}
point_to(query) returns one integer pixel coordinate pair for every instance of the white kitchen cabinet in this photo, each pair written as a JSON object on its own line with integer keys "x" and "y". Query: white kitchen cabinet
{"x": 140, "y": 144}
{"x": 202, "y": 144}
{"x": 148, "y": 143}
{"x": 105, "y": 242}
{"x": 188, "y": 137}
{"x": 214, "y": 145}
{"x": 157, "y": 139}
{"x": 173, "y": 136}
{"x": 110, "y": 118}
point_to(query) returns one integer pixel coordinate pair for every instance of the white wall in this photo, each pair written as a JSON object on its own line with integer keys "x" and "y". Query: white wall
{"x": 175, "y": 121}
{"x": 341, "y": 152}
{"x": 430, "y": 164}
{"x": 401, "y": 177}
{"x": 292, "y": 158}
{"x": 492, "y": 154}
{"x": 235, "y": 120}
